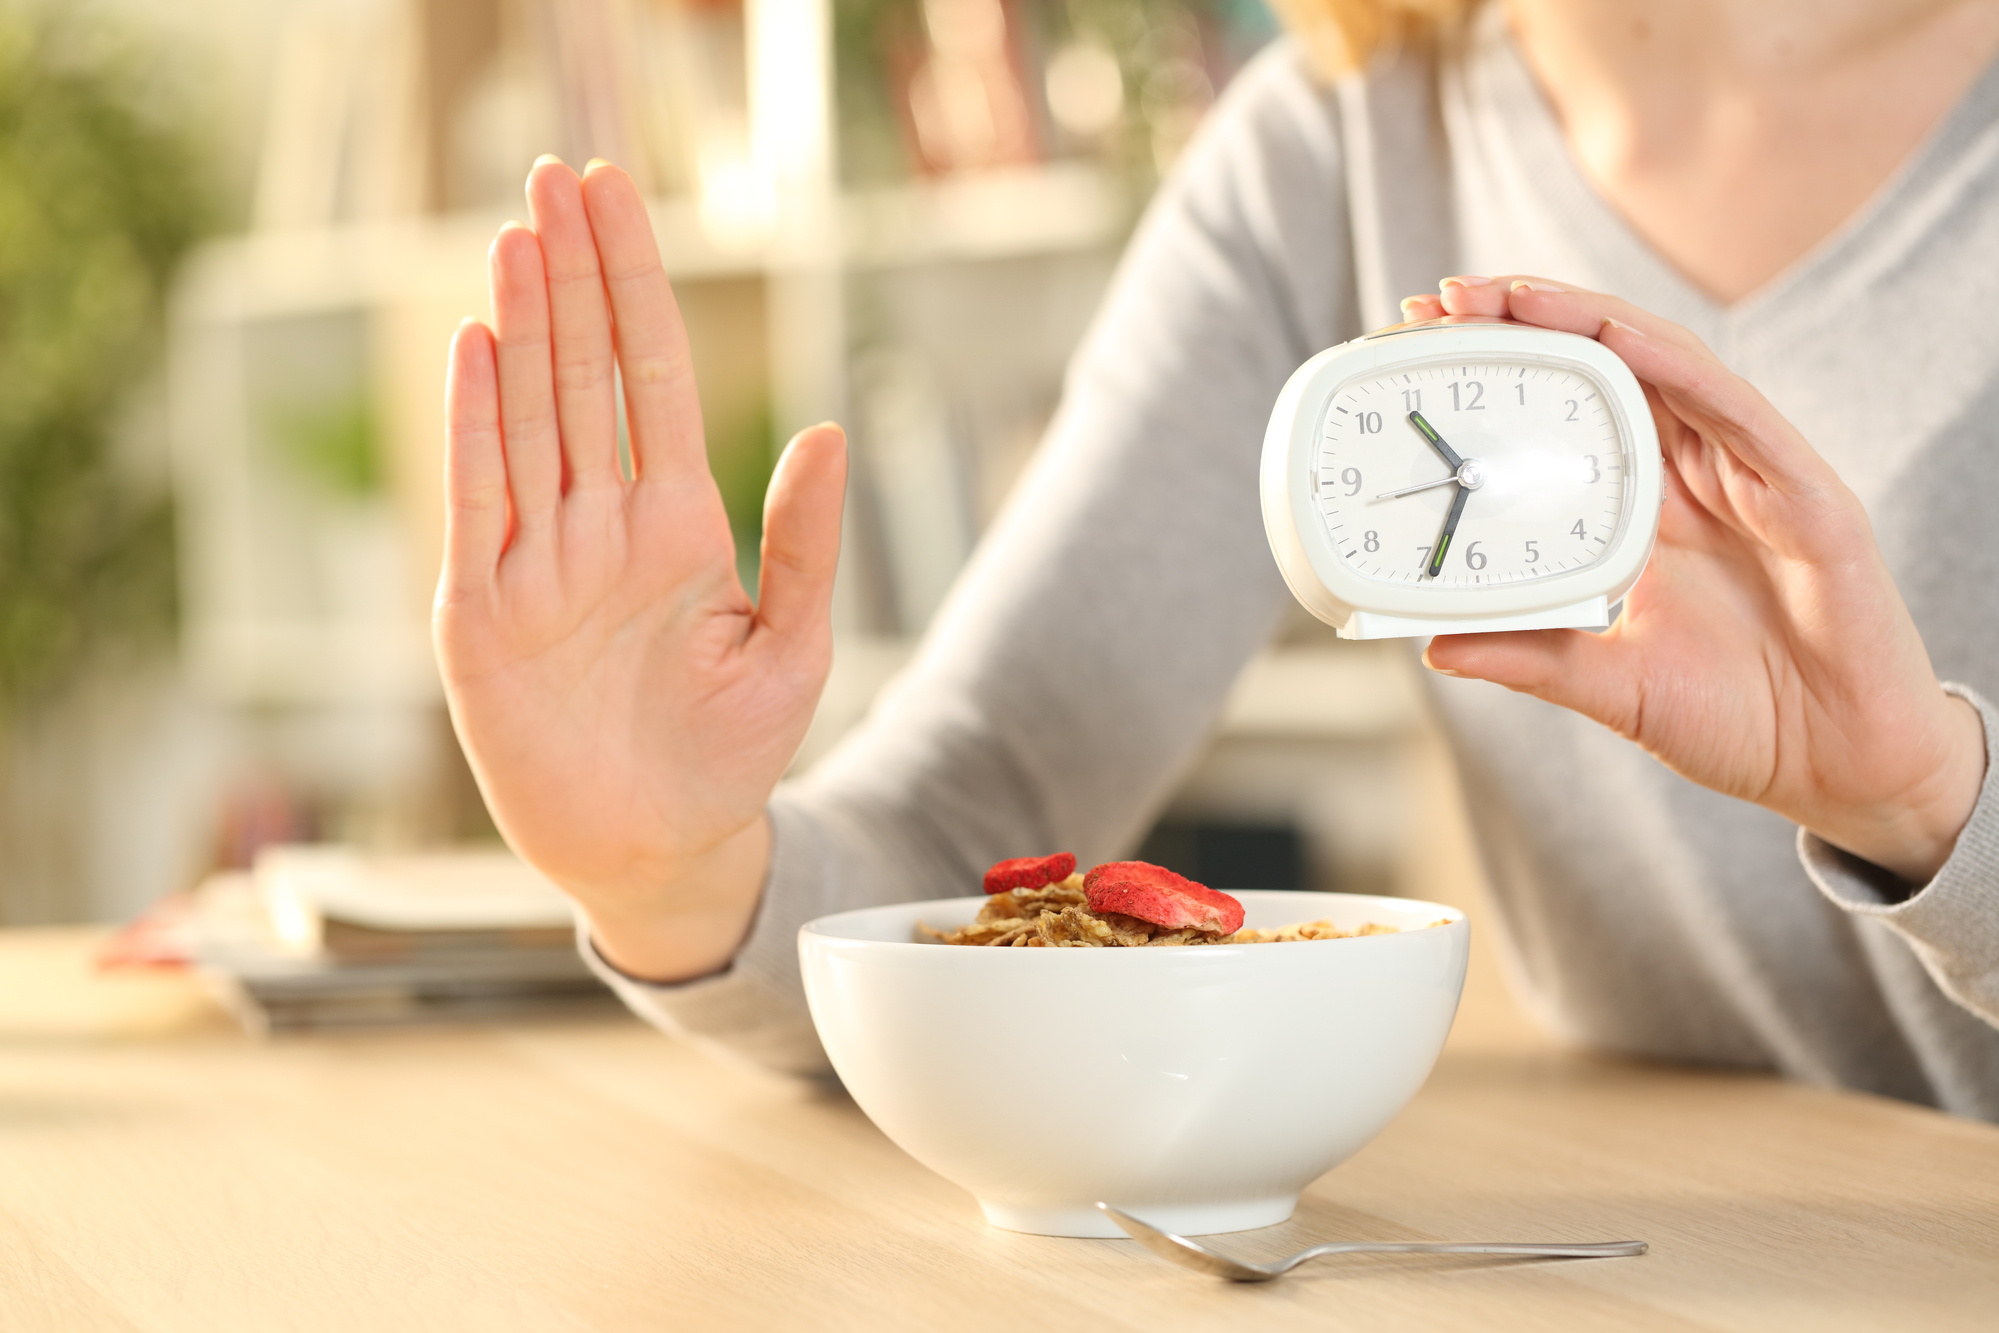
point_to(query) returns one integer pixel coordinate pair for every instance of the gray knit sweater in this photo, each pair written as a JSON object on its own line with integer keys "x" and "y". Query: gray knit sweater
{"x": 1083, "y": 658}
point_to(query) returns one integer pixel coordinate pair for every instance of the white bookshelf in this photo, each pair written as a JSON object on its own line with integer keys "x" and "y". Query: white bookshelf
{"x": 273, "y": 608}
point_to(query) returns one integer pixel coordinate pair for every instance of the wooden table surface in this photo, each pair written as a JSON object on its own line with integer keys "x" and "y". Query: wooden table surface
{"x": 160, "y": 1171}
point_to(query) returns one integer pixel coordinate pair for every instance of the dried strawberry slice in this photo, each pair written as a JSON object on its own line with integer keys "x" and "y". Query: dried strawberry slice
{"x": 1029, "y": 872}
{"x": 1154, "y": 893}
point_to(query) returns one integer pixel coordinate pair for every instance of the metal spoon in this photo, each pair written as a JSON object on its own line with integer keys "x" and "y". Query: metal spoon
{"x": 1189, "y": 1254}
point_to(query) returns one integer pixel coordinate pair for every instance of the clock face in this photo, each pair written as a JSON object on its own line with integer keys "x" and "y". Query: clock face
{"x": 1544, "y": 464}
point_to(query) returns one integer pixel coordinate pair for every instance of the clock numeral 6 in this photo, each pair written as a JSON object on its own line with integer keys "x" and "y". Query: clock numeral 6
{"x": 1474, "y": 558}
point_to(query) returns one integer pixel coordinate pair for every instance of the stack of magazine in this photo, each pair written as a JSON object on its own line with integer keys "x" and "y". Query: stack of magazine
{"x": 324, "y": 937}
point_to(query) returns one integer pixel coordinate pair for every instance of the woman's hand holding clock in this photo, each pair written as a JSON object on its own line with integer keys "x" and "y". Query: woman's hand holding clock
{"x": 1766, "y": 652}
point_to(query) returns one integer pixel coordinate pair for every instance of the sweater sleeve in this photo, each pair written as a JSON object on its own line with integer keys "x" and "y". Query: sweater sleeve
{"x": 1952, "y": 922}
{"x": 1085, "y": 652}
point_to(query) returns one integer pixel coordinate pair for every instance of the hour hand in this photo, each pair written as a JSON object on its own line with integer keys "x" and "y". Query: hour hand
{"x": 1429, "y": 432}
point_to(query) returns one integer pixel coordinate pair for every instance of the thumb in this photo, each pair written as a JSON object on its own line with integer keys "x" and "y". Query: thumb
{"x": 1593, "y": 674}
{"x": 801, "y": 542}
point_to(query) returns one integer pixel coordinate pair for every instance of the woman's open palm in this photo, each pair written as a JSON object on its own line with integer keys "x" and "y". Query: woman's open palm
{"x": 626, "y": 708}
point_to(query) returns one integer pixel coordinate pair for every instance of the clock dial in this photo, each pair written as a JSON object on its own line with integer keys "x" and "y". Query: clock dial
{"x": 1532, "y": 451}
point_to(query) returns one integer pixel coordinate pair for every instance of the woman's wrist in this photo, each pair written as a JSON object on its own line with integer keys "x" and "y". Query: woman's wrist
{"x": 1913, "y": 838}
{"x": 693, "y": 920}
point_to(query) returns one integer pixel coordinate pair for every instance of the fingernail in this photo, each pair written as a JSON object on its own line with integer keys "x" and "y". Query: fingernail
{"x": 1610, "y": 323}
{"x": 593, "y": 164}
{"x": 1408, "y": 301}
{"x": 1538, "y": 287}
{"x": 1466, "y": 280}
{"x": 545, "y": 159}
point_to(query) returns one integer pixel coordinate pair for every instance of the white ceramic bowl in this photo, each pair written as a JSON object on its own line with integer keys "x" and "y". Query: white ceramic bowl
{"x": 1201, "y": 1088}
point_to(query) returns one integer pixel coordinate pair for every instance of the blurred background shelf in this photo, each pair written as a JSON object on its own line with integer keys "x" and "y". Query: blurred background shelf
{"x": 1057, "y": 208}
{"x": 899, "y": 214}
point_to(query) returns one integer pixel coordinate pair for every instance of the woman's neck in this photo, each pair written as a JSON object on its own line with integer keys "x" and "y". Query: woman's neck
{"x": 1736, "y": 136}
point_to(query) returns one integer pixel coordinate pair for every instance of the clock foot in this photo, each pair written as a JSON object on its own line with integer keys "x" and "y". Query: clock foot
{"x": 1591, "y": 614}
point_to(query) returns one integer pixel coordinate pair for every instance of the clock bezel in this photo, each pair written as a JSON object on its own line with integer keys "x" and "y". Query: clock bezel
{"x": 1298, "y": 530}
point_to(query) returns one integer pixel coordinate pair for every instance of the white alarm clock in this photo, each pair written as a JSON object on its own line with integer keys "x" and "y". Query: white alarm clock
{"x": 1461, "y": 475}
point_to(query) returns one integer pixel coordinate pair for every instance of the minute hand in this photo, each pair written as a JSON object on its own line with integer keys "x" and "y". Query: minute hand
{"x": 1450, "y": 530}
{"x": 1429, "y": 432}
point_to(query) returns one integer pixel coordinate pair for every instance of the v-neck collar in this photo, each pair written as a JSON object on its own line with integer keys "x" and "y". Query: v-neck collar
{"x": 1501, "y": 90}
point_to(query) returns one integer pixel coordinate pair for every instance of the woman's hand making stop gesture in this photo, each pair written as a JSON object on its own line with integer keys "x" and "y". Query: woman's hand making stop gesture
{"x": 626, "y": 708}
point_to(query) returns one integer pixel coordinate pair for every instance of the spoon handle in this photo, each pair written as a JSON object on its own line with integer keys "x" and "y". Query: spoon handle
{"x": 1596, "y": 1250}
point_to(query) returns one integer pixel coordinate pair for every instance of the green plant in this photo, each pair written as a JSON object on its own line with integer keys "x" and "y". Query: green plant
{"x": 98, "y": 199}
{"x": 742, "y": 453}
{"x": 337, "y": 444}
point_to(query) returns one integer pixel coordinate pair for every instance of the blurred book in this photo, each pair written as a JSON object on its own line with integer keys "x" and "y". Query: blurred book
{"x": 325, "y": 937}
{"x": 964, "y": 93}
{"x": 333, "y": 901}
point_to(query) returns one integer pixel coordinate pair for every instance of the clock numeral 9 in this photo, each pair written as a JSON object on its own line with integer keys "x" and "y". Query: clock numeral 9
{"x": 1351, "y": 479}
{"x": 1370, "y": 423}
{"x": 1474, "y": 558}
